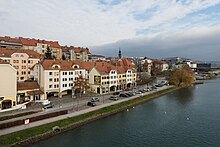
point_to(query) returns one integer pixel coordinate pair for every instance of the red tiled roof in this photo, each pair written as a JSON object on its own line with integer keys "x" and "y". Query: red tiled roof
{"x": 64, "y": 64}
{"x": 156, "y": 61}
{"x": 35, "y": 92}
{"x": 80, "y": 49}
{"x": 123, "y": 63}
{"x": 8, "y": 52}
{"x": 98, "y": 56}
{"x": 88, "y": 65}
{"x": 27, "y": 85}
{"x": 9, "y": 39}
{"x": 33, "y": 42}
{"x": 66, "y": 48}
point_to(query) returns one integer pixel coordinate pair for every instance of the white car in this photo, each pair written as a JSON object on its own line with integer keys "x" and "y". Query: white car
{"x": 95, "y": 99}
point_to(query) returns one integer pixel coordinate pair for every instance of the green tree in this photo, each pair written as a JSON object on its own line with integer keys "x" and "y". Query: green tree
{"x": 48, "y": 54}
{"x": 182, "y": 77}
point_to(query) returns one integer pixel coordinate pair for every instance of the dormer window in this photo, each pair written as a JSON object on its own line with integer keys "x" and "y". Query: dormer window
{"x": 56, "y": 66}
{"x": 75, "y": 66}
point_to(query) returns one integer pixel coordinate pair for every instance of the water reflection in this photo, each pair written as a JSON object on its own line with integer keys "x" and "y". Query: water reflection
{"x": 183, "y": 96}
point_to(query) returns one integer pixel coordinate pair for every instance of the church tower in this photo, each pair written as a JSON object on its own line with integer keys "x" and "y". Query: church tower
{"x": 119, "y": 53}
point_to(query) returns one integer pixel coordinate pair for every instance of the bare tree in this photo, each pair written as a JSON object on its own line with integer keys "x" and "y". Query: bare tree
{"x": 81, "y": 85}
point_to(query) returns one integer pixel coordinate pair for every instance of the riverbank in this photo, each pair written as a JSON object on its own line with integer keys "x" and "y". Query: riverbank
{"x": 38, "y": 133}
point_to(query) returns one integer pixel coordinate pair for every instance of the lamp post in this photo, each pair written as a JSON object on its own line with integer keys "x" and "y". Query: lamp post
{"x": 101, "y": 93}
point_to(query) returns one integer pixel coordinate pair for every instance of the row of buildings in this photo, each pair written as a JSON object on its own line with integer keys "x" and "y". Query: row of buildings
{"x": 26, "y": 75}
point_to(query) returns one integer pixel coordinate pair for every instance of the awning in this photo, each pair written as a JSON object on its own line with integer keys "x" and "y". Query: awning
{"x": 35, "y": 92}
{"x": 6, "y": 101}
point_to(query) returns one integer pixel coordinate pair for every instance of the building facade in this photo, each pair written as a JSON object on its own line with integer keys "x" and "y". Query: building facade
{"x": 8, "y": 85}
{"x": 107, "y": 77}
{"x": 21, "y": 60}
{"x": 56, "y": 77}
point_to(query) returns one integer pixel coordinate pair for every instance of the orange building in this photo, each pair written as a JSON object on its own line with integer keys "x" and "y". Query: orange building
{"x": 21, "y": 60}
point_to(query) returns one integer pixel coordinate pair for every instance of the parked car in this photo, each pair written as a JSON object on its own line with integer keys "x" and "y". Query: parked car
{"x": 95, "y": 99}
{"x": 131, "y": 93}
{"x": 113, "y": 97}
{"x": 123, "y": 95}
{"x": 159, "y": 85}
{"x": 47, "y": 106}
{"x": 92, "y": 104}
{"x": 142, "y": 91}
{"x": 147, "y": 89}
{"x": 154, "y": 87}
{"x": 138, "y": 92}
{"x": 116, "y": 93}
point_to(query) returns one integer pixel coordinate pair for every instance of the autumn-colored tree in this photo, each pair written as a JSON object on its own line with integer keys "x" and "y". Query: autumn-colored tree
{"x": 81, "y": 85}
{"x": 182, "y": 77}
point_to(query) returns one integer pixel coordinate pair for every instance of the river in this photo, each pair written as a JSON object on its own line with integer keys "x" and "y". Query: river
{"x": 187, "y": 117}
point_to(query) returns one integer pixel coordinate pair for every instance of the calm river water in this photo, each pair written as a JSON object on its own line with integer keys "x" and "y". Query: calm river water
{"x": 188, "y": 117}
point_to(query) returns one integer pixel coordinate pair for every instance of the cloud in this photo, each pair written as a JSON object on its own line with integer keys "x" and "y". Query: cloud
{"x": 97, "y": 22}
{"x": 201, "y": 43}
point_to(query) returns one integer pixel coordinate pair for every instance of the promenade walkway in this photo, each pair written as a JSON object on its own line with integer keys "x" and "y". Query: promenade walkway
{"x": 75, "y": 113}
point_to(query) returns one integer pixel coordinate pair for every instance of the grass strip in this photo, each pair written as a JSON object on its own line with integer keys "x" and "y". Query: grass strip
{"x": 31, "y": 132}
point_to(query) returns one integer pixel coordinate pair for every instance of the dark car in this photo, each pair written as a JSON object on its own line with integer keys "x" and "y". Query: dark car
{"x": 116, "y": 93}
{"x": 159, "y": 85}
{"x": 154, "y": 87}
{"x": 92, "y": 104}
{"x": 132, "y": 93}
{"x": 48, "y": 106}
{"x": 124, "y": 95}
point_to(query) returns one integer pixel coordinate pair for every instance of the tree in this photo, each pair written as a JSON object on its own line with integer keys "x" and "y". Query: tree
{"x": 63, "y": 57}
{"x": 182, "y": 77}
{"x": 81, "y": 85}
{"x": 48, "y": 54}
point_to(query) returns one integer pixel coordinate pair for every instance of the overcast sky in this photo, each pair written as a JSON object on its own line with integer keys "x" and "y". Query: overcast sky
{"x": 152, "y": 28}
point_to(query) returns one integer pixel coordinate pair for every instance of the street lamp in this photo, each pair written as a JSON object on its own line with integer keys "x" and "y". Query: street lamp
{"x": 101, "y": 93}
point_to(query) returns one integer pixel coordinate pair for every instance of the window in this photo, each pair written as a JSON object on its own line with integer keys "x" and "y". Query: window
{"x": 50, "y": 86}
{"x": 14, "y": 61}
{"x": 30, "y": 61}
{"x": 23, "y": 61}
{"x": 21, "y": 78}
{"x": 22, "y": 56}
{"x": 50, "y": 79}
{"x": 29, "y": 72}
{"x": 23, "y": 67}
{"x": 80, "y": 72}
{"x": 17, "y": 73}
{"x": 50, "y": 73}
{"x": 16, "y": 55}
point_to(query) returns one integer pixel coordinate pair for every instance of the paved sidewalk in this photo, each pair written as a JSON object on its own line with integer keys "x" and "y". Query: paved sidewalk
{"x": 75, "y": 113}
